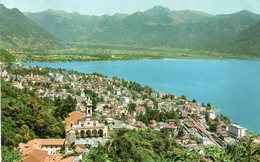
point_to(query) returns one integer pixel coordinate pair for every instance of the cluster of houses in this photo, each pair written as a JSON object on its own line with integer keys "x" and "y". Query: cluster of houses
{"x": 84, "y": 131}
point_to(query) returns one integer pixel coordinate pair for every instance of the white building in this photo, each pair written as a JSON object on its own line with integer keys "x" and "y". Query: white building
{"x": 237, "y": 131}
{"x": 124, "y": 100}
{"x": 82, "y": 125}
{"x": 212, "y": 114}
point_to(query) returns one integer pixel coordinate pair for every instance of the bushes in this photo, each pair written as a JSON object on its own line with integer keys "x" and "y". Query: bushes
{"x": 10, "y": 155}
{"x": 131, "y": 145}
{"x": 26, "y": 117}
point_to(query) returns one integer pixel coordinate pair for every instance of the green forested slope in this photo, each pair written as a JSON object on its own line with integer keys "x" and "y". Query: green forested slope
{"x": 25, "y": 117}
{"x": 6, "y": 57}
{"x": 131, "y": 145}
{"x": 247, "y": 41}
{"x": 19, "y": 32}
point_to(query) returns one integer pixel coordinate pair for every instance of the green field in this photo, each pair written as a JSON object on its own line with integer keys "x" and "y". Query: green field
{"x": 112, "y": 52}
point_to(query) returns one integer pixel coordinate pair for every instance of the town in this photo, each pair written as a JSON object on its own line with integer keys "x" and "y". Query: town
{"x": 103, "y": 105}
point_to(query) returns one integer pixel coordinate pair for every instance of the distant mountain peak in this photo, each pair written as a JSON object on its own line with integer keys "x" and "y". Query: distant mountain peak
{"x": 159, "y": 9}
{"x": 244, "y": 12}
{"x": 195, "y": 12}
{"x": 52, "y": 11}
{"x": 1, "y": 5}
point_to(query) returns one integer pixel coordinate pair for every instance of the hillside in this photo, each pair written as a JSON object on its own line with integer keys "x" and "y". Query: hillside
{"x": 6, "y": 57}
{"x": 149, "y": 27}
{"x": 158, "y": 26}
{"x": 19, "y": 32}
{"x": 247, "y": 41}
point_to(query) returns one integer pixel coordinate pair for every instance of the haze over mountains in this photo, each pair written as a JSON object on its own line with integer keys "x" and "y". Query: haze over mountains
{"x": 16, "y": 30}
{"x": 235, "y": 33}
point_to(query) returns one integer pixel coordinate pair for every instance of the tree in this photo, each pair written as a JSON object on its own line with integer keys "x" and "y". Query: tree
{"x": 96, "y": 155}
{"x": 192, "y": 155}
{"x": 6, "y": 56}
{"x": 10, "y": 155}
{"x": 64, "y": 107}
{"x": 216, "y": 154}
{"x": 132, "y": 107}
{"x": 225, "y": 119}
{"x": 24, "y": 116}
{"x": 24, "y": 134}
{"x": 93, "y": 96}
{"x": 183, "y": 97}
{"x": 244, "y": 150}
{"x": 208, "y": 106}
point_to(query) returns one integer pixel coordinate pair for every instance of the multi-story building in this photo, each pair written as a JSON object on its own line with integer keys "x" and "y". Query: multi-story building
{"x": 237, "y": 131}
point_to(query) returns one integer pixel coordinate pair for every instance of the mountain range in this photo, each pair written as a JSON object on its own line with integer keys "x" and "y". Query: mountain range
{"x": 19, "y": 32}
{"x": 157, "y": 27}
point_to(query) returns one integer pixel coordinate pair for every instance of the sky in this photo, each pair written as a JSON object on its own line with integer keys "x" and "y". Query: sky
{"x": 101, "y": 7}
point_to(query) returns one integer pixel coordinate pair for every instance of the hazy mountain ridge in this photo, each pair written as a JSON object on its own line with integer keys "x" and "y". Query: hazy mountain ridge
{"x": 19, "y": 32}
{"x": 247, "y": 41}
{"x": 105, "y": 28}
{"x": 158, "y": 26}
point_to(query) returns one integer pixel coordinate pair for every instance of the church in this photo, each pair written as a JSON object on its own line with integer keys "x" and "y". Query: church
{"x": 80, "y": 125}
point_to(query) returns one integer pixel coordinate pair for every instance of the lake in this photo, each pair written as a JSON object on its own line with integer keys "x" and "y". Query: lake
{"x": 232, "y": 86}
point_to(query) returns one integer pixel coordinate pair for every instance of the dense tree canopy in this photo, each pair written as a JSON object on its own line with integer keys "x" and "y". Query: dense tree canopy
{"x": 155, "y": 114}
{"x": 140, "y": 146}
{"x": 6, "y": 56}
{"x": 131, "y": 145}
{"x": 64, "y": 107}
{"x": 25, "y": 116}
{"x": 10, "y": 155}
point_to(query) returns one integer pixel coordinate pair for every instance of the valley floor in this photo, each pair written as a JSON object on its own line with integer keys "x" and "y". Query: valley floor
{"x": 98, "y": 53}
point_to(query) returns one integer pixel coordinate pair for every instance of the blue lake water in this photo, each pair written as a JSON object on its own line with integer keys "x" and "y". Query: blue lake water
{"x": 232, "y": 86}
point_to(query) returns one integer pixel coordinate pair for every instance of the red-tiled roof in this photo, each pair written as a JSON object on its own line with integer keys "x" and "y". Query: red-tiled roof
{"x": 170, "y": 127}
{"x": 192, "y": 142}
{"x": 74, "y": 117}
{"x": 36, "y": 144}
{"x": 139, "y": 108}
{"x": 153, "y": 121}
{"x": 78, "y": 149}
{"x": 152, "y": 126}
{"x": 36, "y": 156}
{"x": 45, "y": 142}
{"x": 69, "y": 159}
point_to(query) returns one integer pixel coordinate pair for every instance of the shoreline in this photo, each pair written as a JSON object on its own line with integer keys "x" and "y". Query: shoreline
{"x": 148, "y": 59}
{"x": 158, "y": 91}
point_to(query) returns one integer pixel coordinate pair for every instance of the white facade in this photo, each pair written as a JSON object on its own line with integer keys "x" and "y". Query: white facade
{"x": 237, "y": 131}
{"x": 51, "y": 149}
{"x": 88, "y": 127}
{"x": 212, "y": 114}
{"x": 124, "y": 100}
